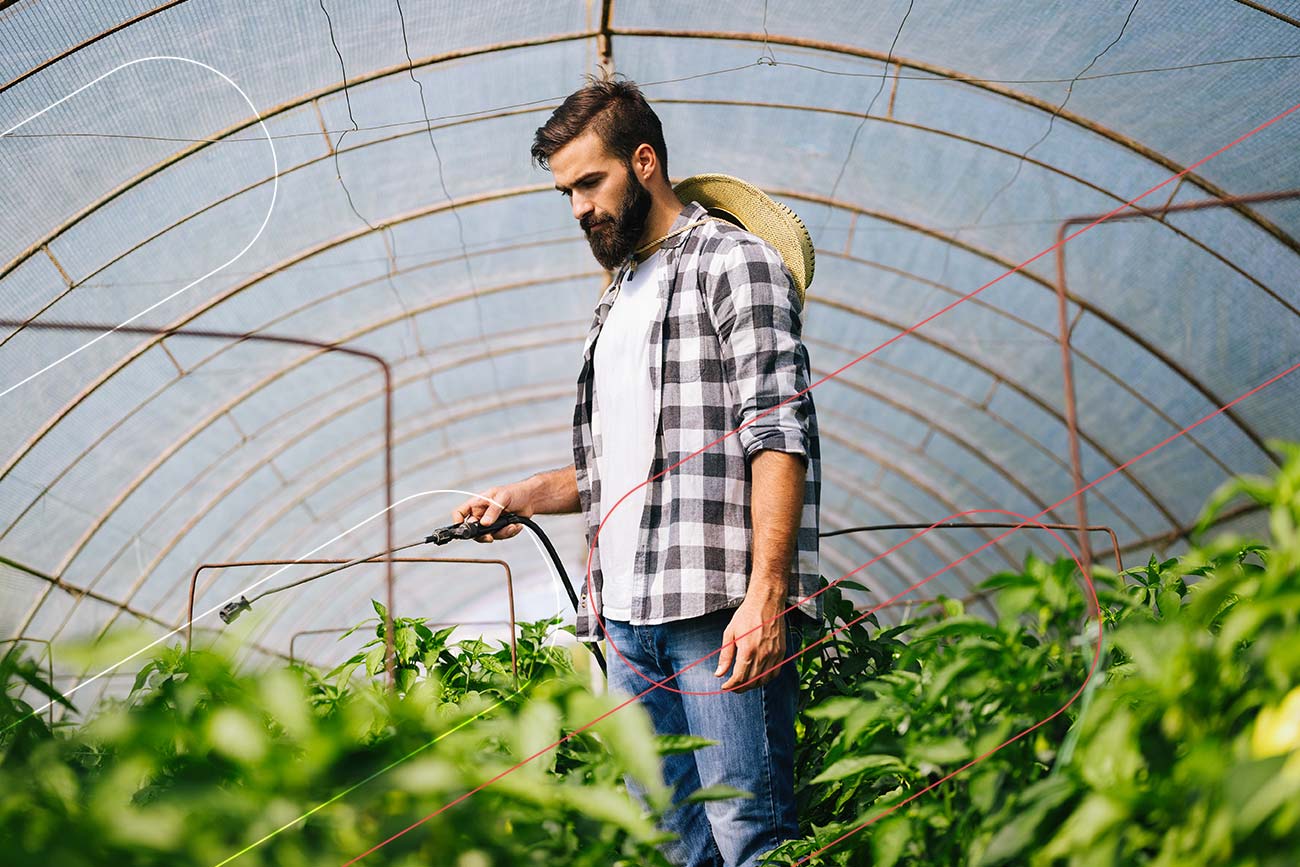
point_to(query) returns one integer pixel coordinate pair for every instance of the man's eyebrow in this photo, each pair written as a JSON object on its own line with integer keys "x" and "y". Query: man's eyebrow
{"x": 586, "y": 177}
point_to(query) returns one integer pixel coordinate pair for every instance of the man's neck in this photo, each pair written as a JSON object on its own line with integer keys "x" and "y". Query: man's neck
{"x": 664, "y": 211}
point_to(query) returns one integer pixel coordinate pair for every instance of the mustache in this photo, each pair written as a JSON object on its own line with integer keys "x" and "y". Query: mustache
{"x": 589, "y": 224}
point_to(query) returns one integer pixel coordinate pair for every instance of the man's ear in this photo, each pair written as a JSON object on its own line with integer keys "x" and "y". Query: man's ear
{"x": 645, "y": 162}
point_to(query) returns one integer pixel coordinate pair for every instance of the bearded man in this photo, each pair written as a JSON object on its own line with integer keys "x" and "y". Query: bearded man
{"x": 698, "y": 334}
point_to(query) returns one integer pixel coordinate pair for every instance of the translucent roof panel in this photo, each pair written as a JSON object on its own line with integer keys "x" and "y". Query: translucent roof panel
{"x": 349, "y": 190}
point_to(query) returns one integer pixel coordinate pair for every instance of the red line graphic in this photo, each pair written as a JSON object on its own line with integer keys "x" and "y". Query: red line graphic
{"x": 1029, "y": 520}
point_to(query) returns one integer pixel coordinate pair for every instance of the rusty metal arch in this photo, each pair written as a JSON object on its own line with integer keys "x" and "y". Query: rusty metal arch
{"x": 1105, "y": 317}
{"x": 941, "y": 72}
{"x": 858, "y": 312}
{"x": 365, "y": 398}
{"x": 1111, "y": 321}
{"x": 88, "y": 535}
{"x": 608, "y": 32}
{"x": 287, "y": 507}
{"x": 302, "y": 255}
{"x": 147, "y": 471}
{"x": 297, "y": 541}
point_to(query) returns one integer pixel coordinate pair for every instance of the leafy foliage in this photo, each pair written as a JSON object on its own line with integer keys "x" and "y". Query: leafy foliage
{"x": 1184, "y": 749}
{"x": 952, "y": 739}
{"x": 201, "y": 763}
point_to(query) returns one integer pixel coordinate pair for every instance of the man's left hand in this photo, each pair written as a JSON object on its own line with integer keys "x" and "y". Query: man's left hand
{"x": 760, "y": 650}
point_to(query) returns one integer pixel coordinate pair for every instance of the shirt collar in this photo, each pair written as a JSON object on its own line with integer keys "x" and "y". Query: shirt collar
{"x": 689, "y": 213}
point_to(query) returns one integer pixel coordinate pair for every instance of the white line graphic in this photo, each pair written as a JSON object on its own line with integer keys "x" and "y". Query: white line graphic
{"x": 275, "y": 186}
{"x": 555, "y": 584}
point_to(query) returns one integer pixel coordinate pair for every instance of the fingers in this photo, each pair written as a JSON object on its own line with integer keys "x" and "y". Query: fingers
{"x": 482, "y": 504}
{"x": 482, "y": 509}
{"x": 727, "y": 655}
{"x": 738, "y": 651}
{"x": 491, "y": 511}
{"x": 470, "y": 508}
{"x": 771, "y": 665}
{"x": 739, "y": 674}
{"x": 753, "y": 669}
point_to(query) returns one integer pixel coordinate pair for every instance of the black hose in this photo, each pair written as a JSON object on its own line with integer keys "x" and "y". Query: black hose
{"x": 467, "y": 530}
{"x": 505, "y": 520}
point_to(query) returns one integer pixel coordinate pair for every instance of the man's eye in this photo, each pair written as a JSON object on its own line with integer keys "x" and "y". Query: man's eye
{"x": 565, "y": 193}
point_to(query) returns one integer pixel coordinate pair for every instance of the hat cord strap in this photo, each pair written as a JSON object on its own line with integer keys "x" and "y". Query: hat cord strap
{"x": 632, "y": 262}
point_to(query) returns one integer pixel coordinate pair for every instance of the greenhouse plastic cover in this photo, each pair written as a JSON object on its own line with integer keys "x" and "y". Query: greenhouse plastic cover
{"x": 357, "y": 173}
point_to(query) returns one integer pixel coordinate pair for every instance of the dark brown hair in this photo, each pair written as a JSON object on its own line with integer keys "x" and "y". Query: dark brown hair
{"x": 615, "y": 109}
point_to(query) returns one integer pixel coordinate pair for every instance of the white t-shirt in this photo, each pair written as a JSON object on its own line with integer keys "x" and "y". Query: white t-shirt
{"x": 622, "y": 388}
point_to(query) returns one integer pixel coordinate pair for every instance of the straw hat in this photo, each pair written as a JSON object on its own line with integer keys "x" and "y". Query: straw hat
{"x": 754, "y": 211}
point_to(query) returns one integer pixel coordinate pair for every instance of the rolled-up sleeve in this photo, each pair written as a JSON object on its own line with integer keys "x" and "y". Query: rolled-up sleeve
{"x": 758, "y": 315}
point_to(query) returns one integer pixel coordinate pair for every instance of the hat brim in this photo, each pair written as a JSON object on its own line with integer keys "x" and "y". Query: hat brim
{"x": 751, "y": 209}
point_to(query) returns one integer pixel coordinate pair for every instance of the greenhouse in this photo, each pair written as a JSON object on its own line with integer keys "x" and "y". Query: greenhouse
{"x": 284, "y": 286}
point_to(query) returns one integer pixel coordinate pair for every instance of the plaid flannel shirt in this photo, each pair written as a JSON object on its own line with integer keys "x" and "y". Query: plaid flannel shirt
{"x": 694, "y": 552}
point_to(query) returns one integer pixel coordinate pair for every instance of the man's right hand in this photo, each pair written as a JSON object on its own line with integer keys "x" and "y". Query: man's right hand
{"x": 513, "y": 498}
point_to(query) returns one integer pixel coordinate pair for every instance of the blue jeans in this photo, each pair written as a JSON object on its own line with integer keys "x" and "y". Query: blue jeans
{"x": 754, "y": 730}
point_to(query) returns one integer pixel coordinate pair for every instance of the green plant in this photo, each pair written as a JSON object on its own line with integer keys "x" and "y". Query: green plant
{"x": 1183, "y": 750}
{"x": 201, "y": 763}
{"x": 957, "y": 688}
{"x": 459, "y": 668}
{"x": 1189, "y": 754}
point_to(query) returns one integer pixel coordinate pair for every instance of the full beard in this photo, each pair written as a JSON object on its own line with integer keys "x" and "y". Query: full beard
{"x": 612, "y": 239}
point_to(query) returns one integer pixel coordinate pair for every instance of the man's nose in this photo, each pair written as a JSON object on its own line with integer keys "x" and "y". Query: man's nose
{"x": 582, "y": 206}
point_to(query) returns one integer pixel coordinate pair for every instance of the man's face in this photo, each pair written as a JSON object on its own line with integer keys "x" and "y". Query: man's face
{"x": 608, "y": 201}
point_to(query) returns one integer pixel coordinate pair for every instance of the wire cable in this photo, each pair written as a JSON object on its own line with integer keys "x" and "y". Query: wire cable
{"x": 867, "y": 114}
{"x": 455, "y": 212}
{"x": 1051, "y": 121}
